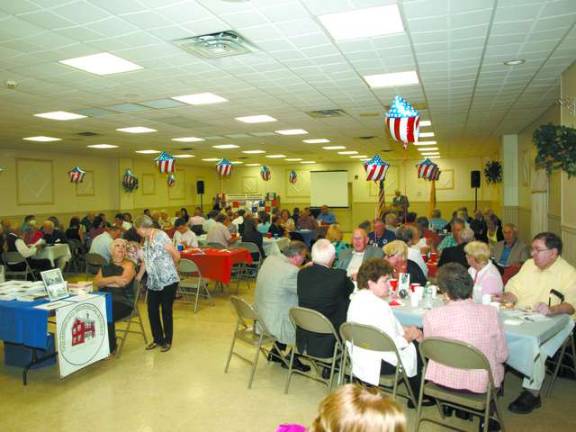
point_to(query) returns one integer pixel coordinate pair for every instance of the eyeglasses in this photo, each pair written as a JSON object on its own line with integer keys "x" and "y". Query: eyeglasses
{"x": 536, "y": 251}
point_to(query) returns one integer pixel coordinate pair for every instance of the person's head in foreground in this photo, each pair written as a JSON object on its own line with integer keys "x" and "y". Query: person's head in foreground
{"x": 396, "y": 253}
{"x": 118, "y": 250}
{"x": 546, "y": 248}
{"x": 477, "y": 254}
{"x": 455, "y": 281}
{"x": 352, "y": 408}
{"x": 296, "y": 252}
{"x": 334, "y": 233}
{"x": 181, "y": 225}
{"x": 359, "y": 240}
{"x": 144, "y": 225}
{"x": 323, "y": 253}
{"x": 374, "y": 275}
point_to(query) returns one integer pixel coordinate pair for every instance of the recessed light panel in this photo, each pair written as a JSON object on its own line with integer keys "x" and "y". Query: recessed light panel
{"x": 316, "y": 141}
{"x": 348, "y": 152}
{"x": 60, "y": 115}
{"x": 293, "y": 159}
{"x": 276, "y": 156}
{"x": 148, "y": 151}
{"x": 423, "y": 149}
{"x": 237, "y": 162}
{"x": 430, "y": 154}
{"x": 188, "y": 139}
{"x": 102, "y": 146}
{"x": 359, "y": 157}
{"x": 137, "y": 130}
{"x": 200, "y": 99}
{"x": 334, "y": 148}
{"x": 308, "y": 162}
{"x": 363, "y": 23}
{"x": 397, "y": 79}
{"x": 252, "y": 164}
{"x": 253, "y": 151}
{"x": 256, "y": 119}
{"x": 101, "y": 64}
{"x": 211, "y": 159}
{"x": 183, "y": 156}
{"x": 41, "y": 139}
{"x": 426, "y": 134}
{"x": 425, "y": 123}
{"x": 424, "y": 143}
{"x": 226, "y": 146}
{"x": 292, "y": 132}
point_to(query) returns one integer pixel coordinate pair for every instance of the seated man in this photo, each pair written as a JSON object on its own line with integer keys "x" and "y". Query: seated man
{"x": 51, "y": 234}
{"x": 437, "y": 223}
{"x": 102, "y": 242}
{"x": 463, "y": 320}
{"x": 184, "y": 235}
{"x": 511, "y": 250}
{"x": 325, "y": 217}
{"x": 326, "y": 290}
{"x": 197, "y": 218}
{"x": 276, "y": 293}
{"x": 391, "y": 221}
{"x": 547, "y": 284}
{"x": 15, "y": 243}
{"x": 380, "y": 236}
{"x": 351, "y": 259}
{"x": 219, "y": 232}
{"x": 451, "y": 239}
{"x": 306, "y": 221}
{"x": 457, "y": 253}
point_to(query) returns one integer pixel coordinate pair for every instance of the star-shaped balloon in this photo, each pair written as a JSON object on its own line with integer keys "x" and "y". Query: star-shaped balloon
{"x": 76, "y": 175}
{"x": 428, "y": 170}
{"x": 224, "y": 168}
{"x": 292, "y": 177}
{"x": 129, "y": 181}
{"x": 265, "y": 173}
{"x": 165, "y": 163}
{"x": 403, "y": 121}
{"x": 376, "y": 169}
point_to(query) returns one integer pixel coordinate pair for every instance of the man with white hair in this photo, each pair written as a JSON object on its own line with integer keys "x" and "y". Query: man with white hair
{"x": 326, "y": 290}
{"x": 457, "y": 253}
{"x": 351, "y": 259}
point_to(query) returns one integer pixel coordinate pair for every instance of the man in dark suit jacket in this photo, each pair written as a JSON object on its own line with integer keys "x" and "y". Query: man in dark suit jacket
{"x": 327, "y": 291}
{"x": 456, "y": 253}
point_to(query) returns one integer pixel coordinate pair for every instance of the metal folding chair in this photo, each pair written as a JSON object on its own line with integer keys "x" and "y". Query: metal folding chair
{"x": 14, "y": 259}
{"x": 191, "y": 282}
{"x": 133, "y": 318}
{"x": 93, "y": 263}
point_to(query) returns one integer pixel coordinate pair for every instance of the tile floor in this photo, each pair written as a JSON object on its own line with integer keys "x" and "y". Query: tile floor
{"x": 186, "y": 389}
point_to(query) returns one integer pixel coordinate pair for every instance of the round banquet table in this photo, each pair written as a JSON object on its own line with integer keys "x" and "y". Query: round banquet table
{"x": 216, "y": 264}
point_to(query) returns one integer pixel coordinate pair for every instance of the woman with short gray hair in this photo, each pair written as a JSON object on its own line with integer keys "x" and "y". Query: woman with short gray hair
{"x": 160, "y": 260}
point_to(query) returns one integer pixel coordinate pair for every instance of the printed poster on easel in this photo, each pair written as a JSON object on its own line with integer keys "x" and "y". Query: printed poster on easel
{"x": 82, "y": 334}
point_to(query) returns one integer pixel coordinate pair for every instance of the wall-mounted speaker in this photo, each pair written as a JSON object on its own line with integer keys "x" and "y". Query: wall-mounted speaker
{"x": 200, "y": 187}
{"x": 475, "y": 179}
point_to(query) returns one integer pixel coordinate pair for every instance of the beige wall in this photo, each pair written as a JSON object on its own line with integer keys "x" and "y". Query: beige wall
{"x": 568, "y": 186}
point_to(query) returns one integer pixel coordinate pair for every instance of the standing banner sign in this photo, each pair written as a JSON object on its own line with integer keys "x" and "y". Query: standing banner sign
{"x": 82, "y": 334}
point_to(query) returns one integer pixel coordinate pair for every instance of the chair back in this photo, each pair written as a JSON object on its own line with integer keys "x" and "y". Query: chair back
{"x": 188, "y": 266}
{"x": 454, "y": 354}
{"x": 252, "y": 247}
{"x": 510, "y": 271}
{"x": 312, "y": 321}
{"x": 244, "y": 311}
{"x": 215, "y": 245}
{"x": 12, "y": 258}
{"x": 296, "y": 236}
{"x": 366, "y": 337}
{"x": 94, "y": 262}
{"x": 197, "y": 229}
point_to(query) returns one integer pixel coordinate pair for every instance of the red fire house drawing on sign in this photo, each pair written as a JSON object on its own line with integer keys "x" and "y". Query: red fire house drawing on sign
{"x": 82, "y": 330}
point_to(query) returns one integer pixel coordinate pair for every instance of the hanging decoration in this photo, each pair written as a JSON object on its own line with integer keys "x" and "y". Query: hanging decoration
{"x": 224, "y": 168}
{"x": 171, "y": 180}
{"x": 292, "y": 177}
{"x": 165, "y": 163}
{"x": 403, "y": 122}
{"x": 556, "y": 148}
{"x": 265, "y": 173}
{"x": 129, "y": 181}
{"x": 493, "y": 172}
{"x": 76, "y": 175}
{"x": 376, "y": 169}
{"x": 428, "y": 170}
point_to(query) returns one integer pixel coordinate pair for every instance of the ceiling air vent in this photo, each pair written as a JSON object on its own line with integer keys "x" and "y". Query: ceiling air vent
{"x": 216, "y": 45}
{"x": 366, "y": 137}
{"x": 327, "y": 113}
{"x": 87, "y": 134}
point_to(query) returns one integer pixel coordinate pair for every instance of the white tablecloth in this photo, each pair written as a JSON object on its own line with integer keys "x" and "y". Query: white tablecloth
{"x": 275, "y": 246}
{"x": 58, "y": 253}
{"x": 525, "y": 341}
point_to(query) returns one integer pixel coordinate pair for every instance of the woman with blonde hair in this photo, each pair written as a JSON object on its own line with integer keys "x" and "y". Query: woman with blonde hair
{"x": 486, "y": 277}
{"x": 353, "y": 408}
{"x": 396, "y": 253}
{"x": 334, "y": 235}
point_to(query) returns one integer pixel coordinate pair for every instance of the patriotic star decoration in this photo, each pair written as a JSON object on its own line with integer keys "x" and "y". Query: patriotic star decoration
{"x": 165, "y": 163}
{"x": 265, "y": 173}
{"x": 376, "y": 169}
{"x": 76, "y": 175}
{"x": 129, "y": 181}
{"x": 224, "y": 168}
{"x": 403, "y": 121}
{"x": 428, "y": 170}
{"x": 292, "y": 177}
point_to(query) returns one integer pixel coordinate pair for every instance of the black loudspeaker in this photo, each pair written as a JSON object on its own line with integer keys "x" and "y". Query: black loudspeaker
{"x": 475, "y": 179}
{"x": 200, "y": 186}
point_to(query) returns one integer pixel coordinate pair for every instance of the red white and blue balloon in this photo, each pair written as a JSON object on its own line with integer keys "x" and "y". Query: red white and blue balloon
{"x": 129, "y": 181}
{"x": 265, "y": 173}
{"x": 224, "y": 168}
{"x": 165, "y": 163}
{"x": 292, "y": 177}
{"x": 376, "y": 169}
{"x": 76, "y": 175}
{"x": 428, "y": 170}
{"x": 171, "y": 180}
{"x": 403, "y": 122}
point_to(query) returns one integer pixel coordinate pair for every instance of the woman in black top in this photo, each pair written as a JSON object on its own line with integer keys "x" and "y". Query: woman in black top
{"x": 184, "y": 214}
{"x": 117, "y": 278}
{"x": 276, "y": 229}
{"x": 75, "y": 230}
{"x": 252, "y": 235}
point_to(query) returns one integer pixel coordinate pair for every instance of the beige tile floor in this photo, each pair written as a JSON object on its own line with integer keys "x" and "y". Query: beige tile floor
{"x": 186, "y": 390}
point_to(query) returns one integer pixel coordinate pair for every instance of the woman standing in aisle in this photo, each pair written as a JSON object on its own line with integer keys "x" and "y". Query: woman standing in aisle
{"x": 160, "y": 260}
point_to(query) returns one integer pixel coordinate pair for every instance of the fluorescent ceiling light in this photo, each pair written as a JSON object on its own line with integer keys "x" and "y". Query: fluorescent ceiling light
{"x": 359, "y": 157}
{"x": 236, "y": 162}
{"x": 334, "y": 148}
{"x": 253, "y": 151}
{"x": 102, "y": 146}
{"x": 307, "y": 162}
{"x": 188, "y": 139}
{"x": 423, "y": 149}
{"x": 291, "y": 132}
{"x": 136, "y": 130}
{"x": 397, "y": 79}
{"x": 293, "y": 159}
{"x": 316, "y": 141}
{"x": 348, "y": 152}
{"x": 256, "y": 119}
{"x": 276, "y": 156}
{"x": 41, "y": 139}
{"x": 211, "y": 159}
{"x": 200, "y": 99}
{"x": 514, "y": 62}
{"x": 148, "y": 151}
{"x": 252, "y": 164}
{"x": 363, "y": 23}
{"x": 425, "y": 123}
{"x": 433, "y": 157}
{"x": 226, "y": 146}
{"x": 183, "y": 156}
{"x": 426, "y": 134}
{"x": 60, "y": 115}
{"x": 365, "y": 159}
{"x": 101, "y": 64}
{"x": 431, "y": 154}
{"x": 423, "y": 143}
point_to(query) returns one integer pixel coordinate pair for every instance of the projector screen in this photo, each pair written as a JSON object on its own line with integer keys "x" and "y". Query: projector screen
{"x": 329, "y": 187}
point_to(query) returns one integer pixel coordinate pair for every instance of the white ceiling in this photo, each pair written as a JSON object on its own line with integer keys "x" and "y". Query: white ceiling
{"x": 457, "y": 47}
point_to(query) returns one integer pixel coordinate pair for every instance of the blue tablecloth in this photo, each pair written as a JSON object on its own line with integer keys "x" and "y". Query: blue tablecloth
{"x": 307, "y": 235}
{"x": 21, "y": 323}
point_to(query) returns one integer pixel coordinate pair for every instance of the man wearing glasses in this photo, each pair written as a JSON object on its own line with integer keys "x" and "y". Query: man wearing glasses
{"x": 547, "y": 284}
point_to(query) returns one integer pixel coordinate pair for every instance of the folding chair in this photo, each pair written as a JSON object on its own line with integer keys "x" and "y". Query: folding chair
{"x": 76, "y": 264}
{"x": 566, "y": 354}
{"x": 370, "y": 338}
{"x": 313, "y": 321}
{"x": 93, "y": 263}
{"x": 191, "y": 282}
{"x": 249, "y": 329}
{"x": 250, "y": 271}
{"x": 133, "y": 318}
{"x": 215, "y": 245}
{"x": 14, "y": 259}
{"x": 457, "y": 355}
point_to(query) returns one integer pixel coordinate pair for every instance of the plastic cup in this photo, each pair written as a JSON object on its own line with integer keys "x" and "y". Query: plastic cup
{"x": 414, "y": 300}
{"x": 419, "y": 291}
{"x": 394, "y": 284}
{"x": 486, "y": 299}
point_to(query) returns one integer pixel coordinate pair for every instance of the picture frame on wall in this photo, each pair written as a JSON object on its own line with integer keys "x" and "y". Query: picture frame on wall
{"x": 148, "y": 184}
{"x": 446, "y": 180}
{"x": 35, "y": 181}
{"x": 86, "y": 187}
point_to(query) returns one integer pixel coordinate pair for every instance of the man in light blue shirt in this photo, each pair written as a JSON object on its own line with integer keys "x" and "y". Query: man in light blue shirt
{"x": 101, "y": 243}
{"x": 325, "y": 217}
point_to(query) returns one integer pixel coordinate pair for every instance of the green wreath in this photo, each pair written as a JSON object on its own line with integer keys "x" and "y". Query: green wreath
{"x": 556, "y": 148}
{"x": 493, "y": 172}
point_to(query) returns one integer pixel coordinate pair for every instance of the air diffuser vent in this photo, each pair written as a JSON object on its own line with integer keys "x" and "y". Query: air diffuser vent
{"x": 327, "y": 113}
{"x": 87, "y": 134}
{"x": 216, "y": 45}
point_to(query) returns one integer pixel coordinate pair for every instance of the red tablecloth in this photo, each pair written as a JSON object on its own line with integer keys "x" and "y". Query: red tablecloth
{"x": 432, "y": 268}
{"x": 216, "y": 264}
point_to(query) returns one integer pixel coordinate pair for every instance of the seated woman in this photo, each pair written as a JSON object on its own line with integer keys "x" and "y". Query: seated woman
{"x": 252, "y": 235}
{"x": 264, "y": 224}
{"x": 368, "y": 306}
{"x": 75, "y": 230}
{"x": 334, "y": 235}
{"x": 117, "y": 278}
{"x": 397, "y": 254}
{"x": 486, "y": 277}
{"x": 286, "y": 221}
{"x": 276, "y": 228}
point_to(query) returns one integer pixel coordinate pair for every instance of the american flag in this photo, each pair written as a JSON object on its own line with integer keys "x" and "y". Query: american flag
{"x": 165, "y": 162}
{"x": 224, "y": 168}
{"x": 403, "y": 121}
{"x": 293, "y": 177}
{"x": 265, "y": 173}
{"x": 76, "y": 175}
{"x": 376, "y": 169}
